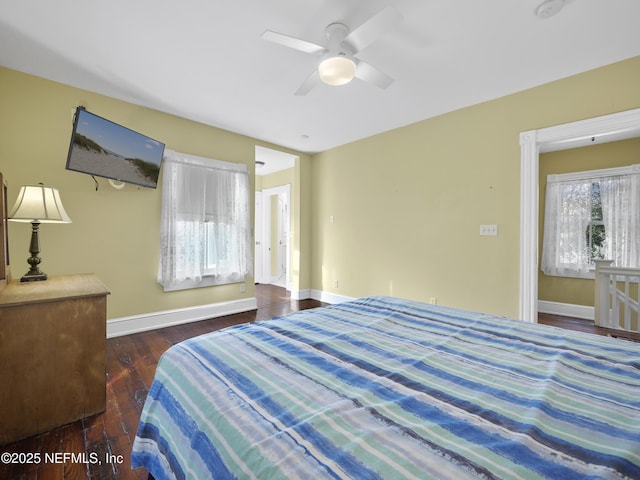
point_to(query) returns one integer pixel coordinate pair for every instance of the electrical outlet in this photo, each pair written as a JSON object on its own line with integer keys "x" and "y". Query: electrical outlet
{"x": 335, "y": 284}
{"x": 433, "y": 300}
{"x": 243, "y": 288}
{"x": 489, "y": 230}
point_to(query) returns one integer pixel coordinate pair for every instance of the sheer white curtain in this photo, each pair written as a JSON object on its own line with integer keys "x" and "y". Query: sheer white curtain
{"x": 205, "y": 233}
{"x": 567, "y": 215}
{"x": 568, "y": 212}
{"x": 620, "y": 210}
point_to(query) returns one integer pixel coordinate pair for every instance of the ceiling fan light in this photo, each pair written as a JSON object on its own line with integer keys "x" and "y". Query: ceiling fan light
{"x": 338, "y": 70}
{"x": 549, "y": 8}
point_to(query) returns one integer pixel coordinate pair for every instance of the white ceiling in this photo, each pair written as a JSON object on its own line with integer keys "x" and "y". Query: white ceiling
{"x": 204, "y": 59}
{"x": 270, "y": 161}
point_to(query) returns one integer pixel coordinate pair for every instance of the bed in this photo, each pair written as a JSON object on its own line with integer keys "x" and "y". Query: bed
{"x": 381, "y": 387}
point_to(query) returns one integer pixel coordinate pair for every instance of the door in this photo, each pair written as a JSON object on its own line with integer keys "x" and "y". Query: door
{"x": 283, "y": 239}
{"x": 258, "y": 236}
{"x": 274, "y": 243}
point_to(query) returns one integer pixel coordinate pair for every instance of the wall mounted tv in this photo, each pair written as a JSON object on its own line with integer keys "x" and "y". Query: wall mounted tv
{"x": 103, "y": 148}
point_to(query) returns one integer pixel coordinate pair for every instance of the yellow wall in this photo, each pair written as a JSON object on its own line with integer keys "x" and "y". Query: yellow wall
{"x": 114, "y": 234}
{"x": 407, "y": 204}
{"x": 607, "y": 155}
{"x": 277, "y": 179}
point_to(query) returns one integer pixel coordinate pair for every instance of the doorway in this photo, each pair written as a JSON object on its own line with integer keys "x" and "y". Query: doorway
{"x": 276, "y": 176}
{"x": 272, "y": 231}
{"x": 607, "y": 128}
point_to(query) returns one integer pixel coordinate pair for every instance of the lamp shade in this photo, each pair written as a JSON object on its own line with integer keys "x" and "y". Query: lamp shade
{"x": 39, "y": 203}
{"x": 338, "y": 70}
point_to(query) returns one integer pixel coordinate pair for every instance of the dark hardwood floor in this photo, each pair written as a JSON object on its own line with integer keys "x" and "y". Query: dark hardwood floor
{"x": 131, "y": 362}
{"x": 585, "y": 326}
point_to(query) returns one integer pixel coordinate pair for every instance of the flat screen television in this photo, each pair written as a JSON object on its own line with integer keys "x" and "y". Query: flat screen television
{"x": 103, "y": 148}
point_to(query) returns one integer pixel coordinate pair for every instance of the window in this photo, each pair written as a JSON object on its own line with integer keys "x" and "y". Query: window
{"x": 205, "y": 227}
{"x": 595, "y": 234}
{"x": 589, "y": 216}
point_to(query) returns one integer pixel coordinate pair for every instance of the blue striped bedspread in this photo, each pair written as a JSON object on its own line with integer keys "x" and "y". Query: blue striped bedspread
{"x": 388, "y": 388}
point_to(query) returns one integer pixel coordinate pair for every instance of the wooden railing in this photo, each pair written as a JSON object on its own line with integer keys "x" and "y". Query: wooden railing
{"x": 617, "y": 297}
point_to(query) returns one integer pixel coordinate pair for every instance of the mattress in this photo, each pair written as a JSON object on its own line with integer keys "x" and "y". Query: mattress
{"x": 382, "y": 387}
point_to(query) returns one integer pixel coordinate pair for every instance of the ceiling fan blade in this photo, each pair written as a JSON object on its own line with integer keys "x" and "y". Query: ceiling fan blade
{"x": 292, "y": 42}
{"x": 370, "y": 30}
{"x": 310, "y": 82}
{"x": 372, "y": 75}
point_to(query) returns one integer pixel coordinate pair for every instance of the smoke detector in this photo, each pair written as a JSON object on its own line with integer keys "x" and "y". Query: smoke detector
{"x": 549, "y": 8}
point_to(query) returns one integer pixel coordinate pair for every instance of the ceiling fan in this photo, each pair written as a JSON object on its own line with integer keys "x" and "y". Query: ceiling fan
{"x": 339, "y": 63}
{"x": 548, "y": 8}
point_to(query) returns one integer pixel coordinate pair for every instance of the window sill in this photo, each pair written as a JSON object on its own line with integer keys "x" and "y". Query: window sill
{"x": 206, "y": 281}
{"x": 587, "y": 275}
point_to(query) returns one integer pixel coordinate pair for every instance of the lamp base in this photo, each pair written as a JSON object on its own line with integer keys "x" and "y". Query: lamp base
{"x": 34, "y": 274}
{"x": 33, "y": 277}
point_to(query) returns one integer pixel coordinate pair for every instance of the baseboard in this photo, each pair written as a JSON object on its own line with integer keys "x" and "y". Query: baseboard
{"x": 566, "y": 310}
{"x": 328, "y": 297}
{"x": 300, "y": 294}
{"x": 320, "y": 295}
{"x": 553, "y": 308}
{"x": 151, "y": 321}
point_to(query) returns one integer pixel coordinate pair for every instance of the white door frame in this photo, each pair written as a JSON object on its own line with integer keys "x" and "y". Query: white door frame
{"x": 609, "y": 127}
{"x": 259, "y": 238}
{"x": 267, "y": 193}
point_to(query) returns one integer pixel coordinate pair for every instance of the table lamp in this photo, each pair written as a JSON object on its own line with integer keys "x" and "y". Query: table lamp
{"x": 37, "y": 204}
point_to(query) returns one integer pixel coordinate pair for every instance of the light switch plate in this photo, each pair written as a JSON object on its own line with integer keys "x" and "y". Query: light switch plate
{"x": 489, "y": 230}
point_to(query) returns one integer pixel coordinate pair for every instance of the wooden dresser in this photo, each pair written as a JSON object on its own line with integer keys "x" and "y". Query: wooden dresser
{"x": 52, "y": 353}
